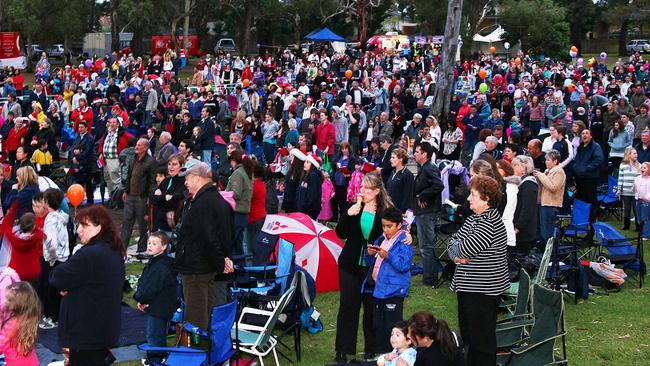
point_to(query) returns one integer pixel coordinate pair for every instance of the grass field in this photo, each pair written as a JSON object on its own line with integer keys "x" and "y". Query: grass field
{"x": 603, "y": 330}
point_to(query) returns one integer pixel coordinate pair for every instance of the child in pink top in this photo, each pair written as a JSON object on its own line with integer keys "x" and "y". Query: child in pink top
{"x": 20, "y": 326}
{"x": 327, "y": 193}
{"x": 642, "y": 195}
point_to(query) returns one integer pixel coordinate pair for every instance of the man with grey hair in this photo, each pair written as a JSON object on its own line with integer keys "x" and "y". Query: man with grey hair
{"x": 491, "y": 143}
{"x": 414, "y": 127}
{"x": 139, "y": 182}
{"x": 115, "y": 140}
{"x": 525, "y": 218}
{"x": 166, "y": 149}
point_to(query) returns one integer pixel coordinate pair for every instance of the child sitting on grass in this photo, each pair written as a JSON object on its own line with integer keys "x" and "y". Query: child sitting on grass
{"x": 156, "y": 293}
{"x": 403, "y": 353}
{"x": 388, "y": 278}
{"x": 20, "y": 327}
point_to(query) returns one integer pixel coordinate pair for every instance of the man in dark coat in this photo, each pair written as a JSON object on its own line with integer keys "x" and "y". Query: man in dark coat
{"x": 203, "y": 247}
{"x": 426, "y": 207}
{"x": 85, "y": 159}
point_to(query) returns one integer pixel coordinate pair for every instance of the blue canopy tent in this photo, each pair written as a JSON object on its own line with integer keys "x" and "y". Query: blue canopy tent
{"x": 324, "y": 35}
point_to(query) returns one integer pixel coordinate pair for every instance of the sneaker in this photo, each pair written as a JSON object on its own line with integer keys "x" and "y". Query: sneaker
{"x": 46, "y": 323}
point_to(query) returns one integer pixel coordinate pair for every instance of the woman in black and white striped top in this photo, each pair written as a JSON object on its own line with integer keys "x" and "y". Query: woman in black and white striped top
{"x": 479, "y": 250}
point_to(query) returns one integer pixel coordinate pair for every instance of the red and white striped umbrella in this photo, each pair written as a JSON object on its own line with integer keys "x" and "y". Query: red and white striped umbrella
{"x": 317, "y": 246}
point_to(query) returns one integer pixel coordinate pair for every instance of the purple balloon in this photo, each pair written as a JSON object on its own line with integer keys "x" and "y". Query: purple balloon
{"x": 580, "y": 62}
{"x": 511, "y": 88}
{"x": 603, "y": 55}
{"x": 573, "y": 54}
{"x": 89, "y": 63}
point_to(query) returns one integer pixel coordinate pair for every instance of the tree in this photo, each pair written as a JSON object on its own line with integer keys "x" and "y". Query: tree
{"x": 627, "y": 13}
{"x": 357, "y": 8}
{"x": 540, "y": 25}
{"x": 25, "y": 16}
{"x": 579, "y": 25}
{"x": 445, "y": 81}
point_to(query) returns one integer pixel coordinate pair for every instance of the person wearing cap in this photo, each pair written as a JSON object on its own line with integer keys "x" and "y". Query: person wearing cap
{"x": 308, "y": 193}
{"x": 139, "y": 183}
{"x": 203, "y": 247}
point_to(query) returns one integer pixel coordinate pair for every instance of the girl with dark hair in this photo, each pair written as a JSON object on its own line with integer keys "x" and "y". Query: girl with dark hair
{"x": 241, "y": 184}
{"x": 91, "y": 284}
{"x": 436, "y": 343}
{"x": 308, "y": 192}
{"x": 292, "y": 180}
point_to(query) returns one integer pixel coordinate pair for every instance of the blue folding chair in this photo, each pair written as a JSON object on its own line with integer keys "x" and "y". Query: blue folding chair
{"x": 256, "y": 279}
{"x": 620, "y": 249}
{"x": 221, "y": 349}
{"x": 579, "y": 225}
{"x": 608, "y": 202}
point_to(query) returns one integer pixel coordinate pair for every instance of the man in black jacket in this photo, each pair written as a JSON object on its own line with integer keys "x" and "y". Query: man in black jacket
{"x": 205, "y": 141}
{"x": 139, "y": 183}
{"x": 426, "y": 207}
{"x": 203, "y": 247}
{"x": 84, "y": 157}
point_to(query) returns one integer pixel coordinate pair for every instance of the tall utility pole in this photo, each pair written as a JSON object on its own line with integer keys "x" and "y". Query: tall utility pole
{"x": 445, "y": 81}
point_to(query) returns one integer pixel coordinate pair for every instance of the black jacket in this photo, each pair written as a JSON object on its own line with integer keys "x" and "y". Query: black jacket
{"x": 349, "y": 228}
{"x": 182, "y": 131}
{"x": 174, "y": 186}
{"x": 400, "y": 188}
{"x": 427, "y": 189}
{"x": 203, "y": 244}
{"x": 90, "y": 315}
{"x": 157, "y": 287}
{"x": 205, "y": 141}
{"x": 87, "y": 159}
{"x": 308, "y": 195}
{"x": 384, "y": 164}
{"x": 525, "y": 219}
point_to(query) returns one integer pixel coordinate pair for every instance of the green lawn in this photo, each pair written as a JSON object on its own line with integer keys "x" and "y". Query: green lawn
{"x": 603, "y": 330}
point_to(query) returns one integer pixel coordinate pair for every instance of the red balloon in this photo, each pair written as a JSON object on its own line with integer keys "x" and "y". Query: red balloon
{"x": 76, "y": 194}
{"x": 497, "y": 79}
{"x": 631, "y": 68}
{"x": 168, "y": 74}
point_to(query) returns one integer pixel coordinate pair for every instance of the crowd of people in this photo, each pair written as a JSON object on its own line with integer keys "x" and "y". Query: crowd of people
{"x": 341, "y": 137}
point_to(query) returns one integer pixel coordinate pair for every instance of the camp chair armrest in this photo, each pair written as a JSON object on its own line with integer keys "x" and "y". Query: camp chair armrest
{"x": 528, "y": 347}
{"x": 250, "y": 327}
{"x": 256, "y": 268}
{"x": 515, "y": 318}
{"x": 514, "y": 325}
{"x": 248, "y": 310}
{"x": 563, "y": 217}
{"x": 146, "y": 347}
{"x": 622, "y": 242}
{"x": 191, "y": 328}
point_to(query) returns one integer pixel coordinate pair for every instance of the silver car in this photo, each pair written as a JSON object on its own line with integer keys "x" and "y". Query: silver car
{"x": 637, "y": 45}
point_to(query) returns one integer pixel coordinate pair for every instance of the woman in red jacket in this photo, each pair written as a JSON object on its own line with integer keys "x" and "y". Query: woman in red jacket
{"x": 15, "y": 138}
{"x": 257, "y": 212}
{"x": 26, "y": 241}
{"x": 325, "y": 135}
{"x": 83, "y": 113}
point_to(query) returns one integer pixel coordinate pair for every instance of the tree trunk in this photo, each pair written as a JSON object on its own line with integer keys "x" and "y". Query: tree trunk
{"x": 622, "y": 37}
{"x": 248, "y": 24}
{"x": 186, "y": 25}
{"x": 445, "y": 81}
{"x": 174, "y": 25}
{"x": 136, "y": 45}
{"x": 362, "y": 29}
{"x": 29, "y": 52}
{"x": 115, "y": 27}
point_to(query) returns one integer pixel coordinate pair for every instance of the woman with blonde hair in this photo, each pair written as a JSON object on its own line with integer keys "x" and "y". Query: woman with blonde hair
{"x": 24, "y": 190}
{"x": 629, "y": 169}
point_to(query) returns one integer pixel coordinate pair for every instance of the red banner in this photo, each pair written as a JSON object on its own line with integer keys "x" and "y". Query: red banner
{"x": 9, "y": 44}
{"x": 160, "y": 44}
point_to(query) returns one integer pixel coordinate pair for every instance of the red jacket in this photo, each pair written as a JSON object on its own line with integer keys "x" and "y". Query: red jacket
{"x": 84, "y": 113}
{"x": 13, "y": 140}
{"x": 26, "y": 251}
{"x": 123, "y": 138}
{"x": 325, "y": 137}
{"x": 258, "y": 201}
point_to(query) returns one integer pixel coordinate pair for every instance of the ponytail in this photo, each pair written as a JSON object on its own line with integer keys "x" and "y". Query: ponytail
{"x": 423, "y": 324}
{"x": 445, "y": 338}
{"x": 239, "y": 157}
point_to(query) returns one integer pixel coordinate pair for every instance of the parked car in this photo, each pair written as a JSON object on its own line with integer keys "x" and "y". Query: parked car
{"x": 57, "y": 51}
{"x": 637, "y": 45}
{"x": 226, "y": 45}
{"x": 37, "y": 51}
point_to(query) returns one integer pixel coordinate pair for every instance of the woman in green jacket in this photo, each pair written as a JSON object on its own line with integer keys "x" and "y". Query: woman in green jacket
{"x": 240, "y": 184}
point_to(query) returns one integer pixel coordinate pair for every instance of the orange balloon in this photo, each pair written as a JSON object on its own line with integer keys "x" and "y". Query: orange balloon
{"x": 76, "y": 194}
{"x": 517, "y": 61}
{"x": 246, "y": 83}
{"x": 493, "y": 49}
{"x": 572, "y": 88}
{"x": 482, "y": 74}
{"x": 348, "y": 74}
{"x": 574, "y": 48}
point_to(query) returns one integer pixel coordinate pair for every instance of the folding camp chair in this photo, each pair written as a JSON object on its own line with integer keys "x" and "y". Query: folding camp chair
{"x": 222, "y": 319}
{"x": 620, "y": 250}
{"x": 266, "y": 279}
{"x": 609, "y": 204}
{"x": 507, "y": 334}
{"x": 258, "y": 340}
{"x": 547, "y": 327}
{"x": 578, "y": 227}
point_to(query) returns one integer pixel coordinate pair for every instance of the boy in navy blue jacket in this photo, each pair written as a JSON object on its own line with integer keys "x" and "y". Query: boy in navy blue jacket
{"x": 156, "y": 293}
{"x": 389, "y": 278}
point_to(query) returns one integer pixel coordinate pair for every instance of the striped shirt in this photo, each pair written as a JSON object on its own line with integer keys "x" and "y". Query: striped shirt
{"x": 626, "y": 176}
{"x": 482, "y": 239}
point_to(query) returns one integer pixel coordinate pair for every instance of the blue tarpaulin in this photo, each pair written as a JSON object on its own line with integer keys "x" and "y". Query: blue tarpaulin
{"x": 324, "y": 35}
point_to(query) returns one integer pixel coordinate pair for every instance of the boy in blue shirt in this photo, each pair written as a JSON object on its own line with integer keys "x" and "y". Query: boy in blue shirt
{"x": 389, "y": 278}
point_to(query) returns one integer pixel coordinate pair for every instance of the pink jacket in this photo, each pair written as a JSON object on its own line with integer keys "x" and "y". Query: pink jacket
{"x": 7, "y": 277}
{"x": 8, "y": 346}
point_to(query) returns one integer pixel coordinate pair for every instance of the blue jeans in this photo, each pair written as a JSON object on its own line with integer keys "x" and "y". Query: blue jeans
{"x": 240, "y": 223}
{"x": 156, "y": 336}
{"x": 547, "y": 216}
{"x": 643, "y": 216}
{"x": 206, "y": 156}
{"x": 269, "y": 152}
{"x": 426, "y": 224}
